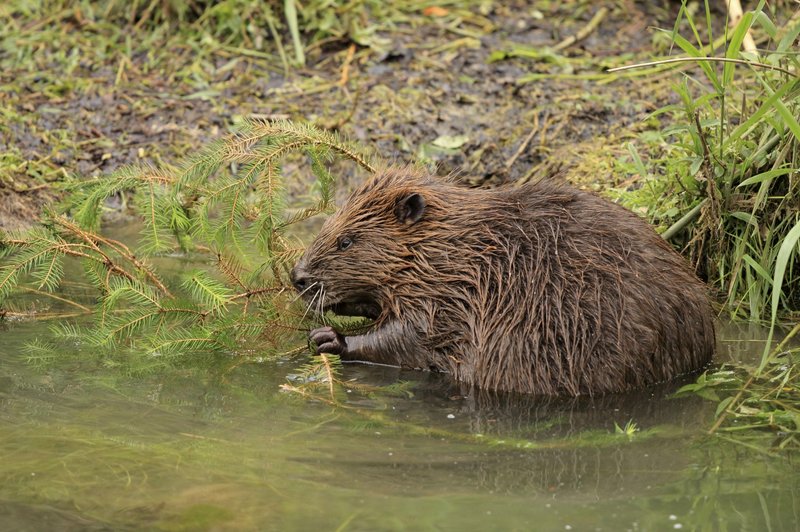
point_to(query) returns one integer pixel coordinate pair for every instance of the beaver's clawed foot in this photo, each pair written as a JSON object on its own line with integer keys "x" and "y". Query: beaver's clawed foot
{"x": 328, "y": 341}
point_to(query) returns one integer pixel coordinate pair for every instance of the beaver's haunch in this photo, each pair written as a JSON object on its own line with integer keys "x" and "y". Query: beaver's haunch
{"x": 539, "y": 289}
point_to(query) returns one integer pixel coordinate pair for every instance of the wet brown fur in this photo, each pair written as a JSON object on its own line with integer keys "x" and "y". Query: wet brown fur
{"x": 539, "y": 289}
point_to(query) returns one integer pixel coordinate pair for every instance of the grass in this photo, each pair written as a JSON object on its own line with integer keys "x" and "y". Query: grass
{"x": 87, "y": 87}
{"x": 730, "y": 164}
{"x": 725, "y": 185}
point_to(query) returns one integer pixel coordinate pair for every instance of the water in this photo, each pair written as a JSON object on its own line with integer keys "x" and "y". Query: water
{"x": 84, "y": 447}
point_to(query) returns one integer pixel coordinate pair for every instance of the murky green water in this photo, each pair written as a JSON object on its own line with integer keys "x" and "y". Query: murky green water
{"x": 85, "y": 448}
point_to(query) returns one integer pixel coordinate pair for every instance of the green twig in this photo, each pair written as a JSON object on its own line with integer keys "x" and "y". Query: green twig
{"x": 685, "y": 220}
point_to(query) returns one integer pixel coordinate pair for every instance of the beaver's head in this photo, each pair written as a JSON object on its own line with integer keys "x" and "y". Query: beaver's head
{"x": 365, "y": 253}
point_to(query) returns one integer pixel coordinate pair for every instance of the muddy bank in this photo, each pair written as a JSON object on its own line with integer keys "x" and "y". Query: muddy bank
{"x": 479, "y": 90}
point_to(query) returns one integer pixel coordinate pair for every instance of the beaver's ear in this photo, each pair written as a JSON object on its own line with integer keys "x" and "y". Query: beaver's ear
{"x": 410, "y": 209}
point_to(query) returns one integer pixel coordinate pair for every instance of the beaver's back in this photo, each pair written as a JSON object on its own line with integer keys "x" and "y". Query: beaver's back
{"x": 585, "y": 297}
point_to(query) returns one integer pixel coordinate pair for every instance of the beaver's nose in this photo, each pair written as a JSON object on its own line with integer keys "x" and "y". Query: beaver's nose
{"x": 299, "y": 278}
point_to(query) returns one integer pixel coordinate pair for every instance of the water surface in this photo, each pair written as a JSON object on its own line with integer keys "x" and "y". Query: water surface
{"x": 85, "y": 447}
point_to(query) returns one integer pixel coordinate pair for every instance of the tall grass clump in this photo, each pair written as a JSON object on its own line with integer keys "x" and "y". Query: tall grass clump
{"x": 732, "y": 183}
{"x": 727, "y": 187}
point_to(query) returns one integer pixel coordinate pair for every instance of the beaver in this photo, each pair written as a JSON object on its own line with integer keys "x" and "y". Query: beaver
{"x": 540, "y": 288}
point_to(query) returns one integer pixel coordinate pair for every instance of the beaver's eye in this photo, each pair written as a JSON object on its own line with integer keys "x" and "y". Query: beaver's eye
{"x": 345, "y": 242}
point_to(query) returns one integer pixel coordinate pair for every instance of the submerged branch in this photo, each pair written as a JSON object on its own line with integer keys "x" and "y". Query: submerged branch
{"x": 57, "y": 298}
{"x": 92, "y": 239}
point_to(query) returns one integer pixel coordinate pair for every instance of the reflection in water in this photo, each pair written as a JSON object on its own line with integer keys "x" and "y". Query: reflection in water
{"x": 20, "y": 516}
{"x": 578, "y": 454}
{"x": 87, "y": 448}
{"x": 743, "y": 343}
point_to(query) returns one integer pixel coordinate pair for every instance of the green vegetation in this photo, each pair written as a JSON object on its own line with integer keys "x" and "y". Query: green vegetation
{"x": 89, "y": 86}
{"x": 199, "y": 30}
{"x": 224, "y": 209}
{"x": 727, "y": 182}
{"x": 730, "y": 161}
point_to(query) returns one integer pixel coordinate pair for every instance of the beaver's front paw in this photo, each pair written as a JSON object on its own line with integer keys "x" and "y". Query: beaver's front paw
{"x": 328, "y": 341}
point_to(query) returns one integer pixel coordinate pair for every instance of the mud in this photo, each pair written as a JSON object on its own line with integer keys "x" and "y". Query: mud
{"x": 432, "y": 91}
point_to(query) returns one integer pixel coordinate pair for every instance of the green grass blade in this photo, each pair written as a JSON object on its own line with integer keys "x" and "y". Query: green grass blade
{"x": 764, "y": 274}
{"x": 766, "y": 24}
{"x": 290, "y": 9}
{"x": 706, "y": 66}
{"x": 788, "y": 118}
{"x": 787, "y": 42}
{"x": 785, "y": 253}
{"x": 764, "y": 176}
{"x": 735, "y": 46}
{"x": 765, "y": 107}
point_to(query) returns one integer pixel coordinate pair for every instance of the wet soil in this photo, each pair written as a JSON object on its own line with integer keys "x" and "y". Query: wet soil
{"x": 453, "y": 90}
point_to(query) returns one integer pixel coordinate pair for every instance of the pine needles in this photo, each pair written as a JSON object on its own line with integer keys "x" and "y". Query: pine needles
{"x": 223, "y": 210}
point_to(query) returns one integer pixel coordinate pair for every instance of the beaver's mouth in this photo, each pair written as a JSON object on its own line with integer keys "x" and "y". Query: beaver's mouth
{"x": 366, "y": 308}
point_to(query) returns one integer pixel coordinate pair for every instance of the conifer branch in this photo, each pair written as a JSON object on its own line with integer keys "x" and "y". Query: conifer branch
{"x": 258, "y": 291}
{"x": 119, "y": 247}
{"x": 48, "y": 275}
{"x": 130, "y": 325}
{"x": 200, "y": 314}
{"x": 191, "y": 342}
{"x": 312, "y": 137}
{"x": 233, "y": 193}
{"x": 230, "y": 271}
